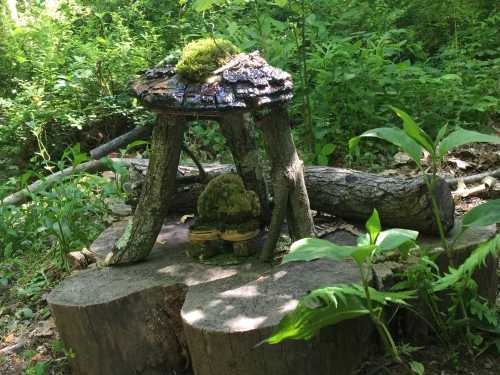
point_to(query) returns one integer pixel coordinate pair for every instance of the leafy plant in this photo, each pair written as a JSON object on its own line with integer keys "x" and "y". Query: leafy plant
{"x": 331, "y": 305}
{"x": 413, "y": 140}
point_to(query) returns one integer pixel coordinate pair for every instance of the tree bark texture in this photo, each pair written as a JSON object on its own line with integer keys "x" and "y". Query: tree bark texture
{"x": 402, "y": 202}
{"x": 287, "y": 176}
{"x": 138, "y": 240}
{"x": 240, "y": 136}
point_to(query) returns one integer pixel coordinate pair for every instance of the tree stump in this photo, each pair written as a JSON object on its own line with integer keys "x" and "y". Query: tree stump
{"x": 126, "y": 320}
{"x": 225, "y": 319}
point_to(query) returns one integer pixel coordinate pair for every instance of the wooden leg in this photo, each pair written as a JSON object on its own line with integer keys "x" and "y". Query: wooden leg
{"x": 239, "y": 133}
{"x": 290, "y": 194}
{"x": 140, "y": 236}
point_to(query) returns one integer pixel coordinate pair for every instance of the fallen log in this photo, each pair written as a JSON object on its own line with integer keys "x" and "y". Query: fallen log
{"x": 401, "y": 202}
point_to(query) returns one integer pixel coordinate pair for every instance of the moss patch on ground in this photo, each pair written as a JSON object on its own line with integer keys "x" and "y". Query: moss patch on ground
{"x": 201, "y": 57}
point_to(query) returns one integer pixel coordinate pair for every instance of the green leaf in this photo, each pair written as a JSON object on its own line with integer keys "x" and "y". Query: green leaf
{"x": 203, "y": 5}
{"x": 393, "y": 238}
{"x": 413, "y": 131}
{"x": 373, "y": 226}
{"x": 322, "y": 159}
{"x": 308, "y": 249}
{"x": 486, "y": 214}
{"x": 363, "y": 252}
{"x": 328, "y": 149}
{"x": 395, "y": 136}
{"x": 441, "y": 134}
{"x": 329, "y": 306}
{"x": 462, "y": 137}
{"x": 417, "y": 368}
{"x": 474, "y": 261}
{"x": 281, "y": 3}
{"x": 137, "y": 143}
{"x": 319, "y": 309}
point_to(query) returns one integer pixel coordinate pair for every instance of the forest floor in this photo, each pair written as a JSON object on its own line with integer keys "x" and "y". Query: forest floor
{"x": 29, "y": 342}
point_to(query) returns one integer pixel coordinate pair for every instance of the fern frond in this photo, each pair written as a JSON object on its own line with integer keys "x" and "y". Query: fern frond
{"x": 477, "y": 259}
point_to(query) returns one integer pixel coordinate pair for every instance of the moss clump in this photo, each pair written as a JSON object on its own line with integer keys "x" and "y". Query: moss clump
{"x": 201, "y": 57}
{"x": 226, "y": 202}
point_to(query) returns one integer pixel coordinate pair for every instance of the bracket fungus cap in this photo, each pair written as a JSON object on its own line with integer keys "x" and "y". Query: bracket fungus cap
{"x": 245, "y": 83}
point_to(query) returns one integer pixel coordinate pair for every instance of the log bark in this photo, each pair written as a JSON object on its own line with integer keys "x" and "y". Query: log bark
{"x": 402, "y": 201}
{"x": 138, "y": 240}
{"x": 224, "y": 320}
{"x": 240, "y": 136}
{"x": 287, "y": 176}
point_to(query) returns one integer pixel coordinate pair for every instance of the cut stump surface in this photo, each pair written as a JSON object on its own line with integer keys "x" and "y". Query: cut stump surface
{"x": 225, "y": 319}
{"x": 126, "y": 320}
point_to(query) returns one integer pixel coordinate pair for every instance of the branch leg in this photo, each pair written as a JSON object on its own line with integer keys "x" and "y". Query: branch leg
{"x": 239, "y": 132}
{"x": 139, "y": 238}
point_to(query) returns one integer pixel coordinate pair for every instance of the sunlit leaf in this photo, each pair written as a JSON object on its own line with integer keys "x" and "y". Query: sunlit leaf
{"x": 486, "y": 214}
{"x": 413, "y": 130}
{"x": 329, "y": 306}
{"x": 462, "y": 137}
{"x": 393, "y": 238}
{"x": 308, "y": 249}
{"x": 373, "y": 226}
{"x": 395, "y": 136}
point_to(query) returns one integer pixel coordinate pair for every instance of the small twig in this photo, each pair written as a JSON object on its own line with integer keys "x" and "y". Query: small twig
{"x": 202, "y": 174}
{"x": 14, "y": 348}
{"x": 453, "y": 182}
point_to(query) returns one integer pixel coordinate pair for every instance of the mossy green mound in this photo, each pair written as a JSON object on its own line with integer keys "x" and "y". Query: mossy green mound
{"x": 225, "y": 201}
{"x": 201, "y": 57}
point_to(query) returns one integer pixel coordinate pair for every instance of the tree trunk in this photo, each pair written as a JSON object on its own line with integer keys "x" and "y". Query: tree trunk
{"x": 139, "y": 238}
{"x": 240, "y": 137}
{"x": 287, "y": 176}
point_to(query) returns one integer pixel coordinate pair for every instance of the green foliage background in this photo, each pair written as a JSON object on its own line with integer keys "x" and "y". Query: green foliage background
{"x": 64, "y": 74}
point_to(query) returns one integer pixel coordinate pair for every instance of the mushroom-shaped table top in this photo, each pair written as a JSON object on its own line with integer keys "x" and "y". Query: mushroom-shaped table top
{"x": 246, "y": 83}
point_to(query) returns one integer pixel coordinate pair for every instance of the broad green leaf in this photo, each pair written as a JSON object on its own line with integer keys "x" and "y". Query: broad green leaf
{"x": 395, "y": 136}
{"x": 373, "y": 226}
{"x": 441, "y": 134}
{"x": 417, "y": 368}
{"x": 462, "y": 137}
{"x": 328, "y": 149}
{"x": 203, "y": 5}
{"x": 413, "y": 131}
{"x": 362, "y": 252}
{"x": 137, "y": 143}
{"x": 329, "y": 306}
{"x": 486, "y": 214}
{"x": 308, "y": 249}
{"x": 393, "y": 238}
{"x": 281, "y": 3}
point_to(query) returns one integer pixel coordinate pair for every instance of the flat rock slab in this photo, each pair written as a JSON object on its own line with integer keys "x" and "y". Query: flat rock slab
{"x": 126, "y": 320}
{"x": 224, "y": 320}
